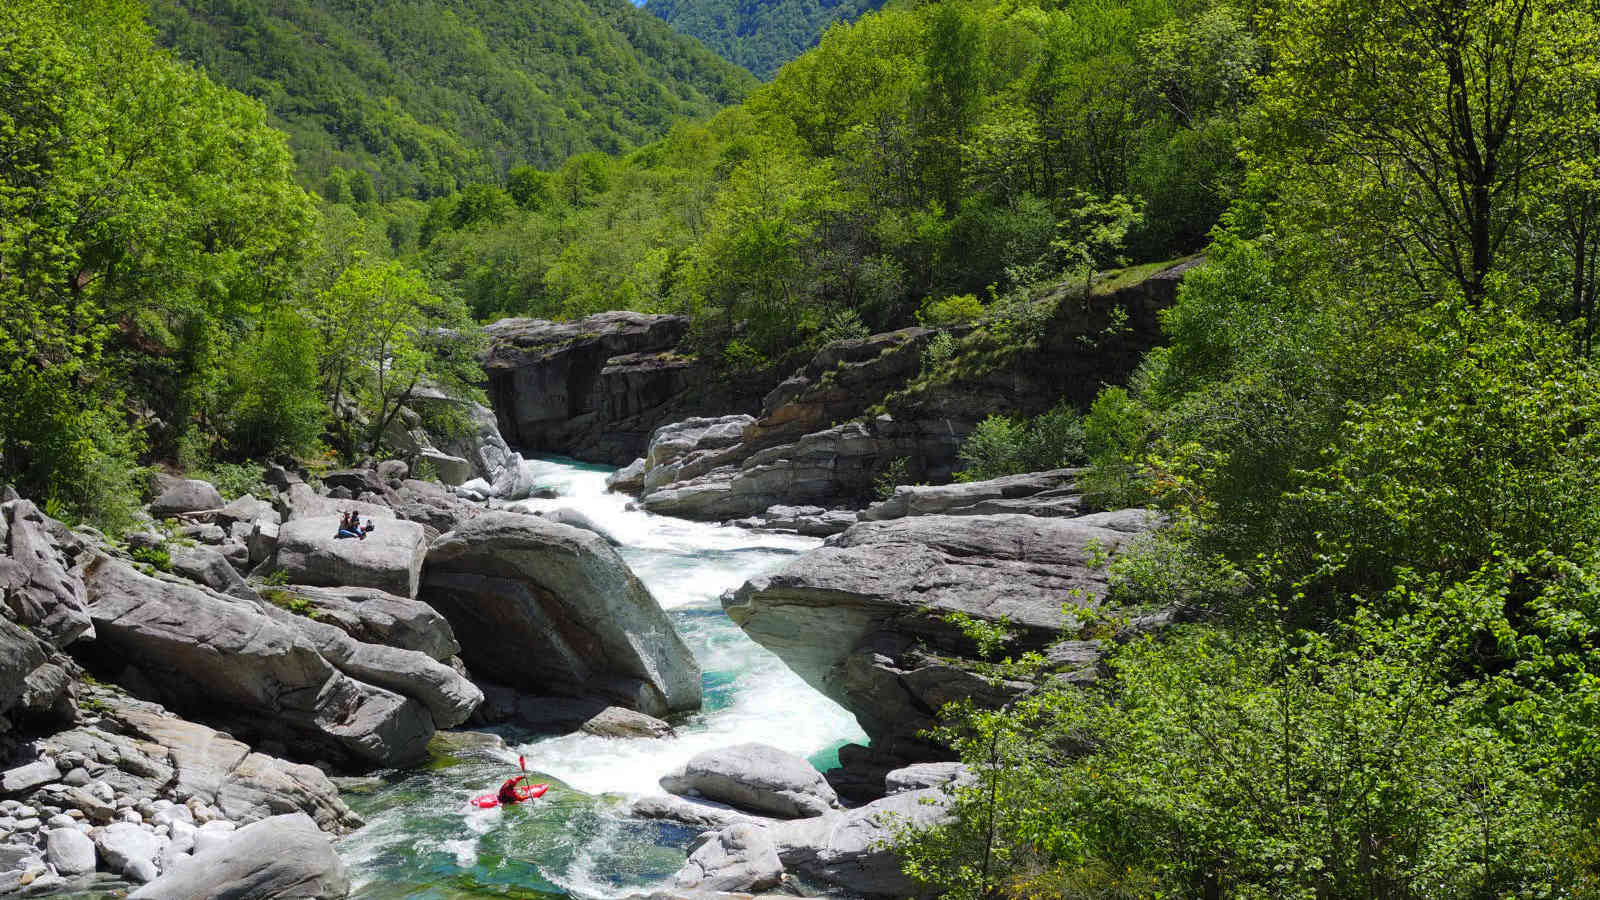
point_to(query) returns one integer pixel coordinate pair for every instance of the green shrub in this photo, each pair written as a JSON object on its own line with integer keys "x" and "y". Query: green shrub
{"x": 960, "y": 309}
{"x": 1002, "y": 445}
{"x": 896, "y": 473}
{"x": 939, "y": 351}
{"x": 155, "y": 557}
{"x": 844, "y": 325}
{"x": 234, "y": 480}
{"x": 739, "y": 356}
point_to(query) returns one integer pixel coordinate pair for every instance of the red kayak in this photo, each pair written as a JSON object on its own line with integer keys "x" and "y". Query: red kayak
{"x": 524, "y": 792}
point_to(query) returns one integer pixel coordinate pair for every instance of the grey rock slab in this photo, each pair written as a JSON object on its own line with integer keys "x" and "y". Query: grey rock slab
{"x": 388, "y": 559}
{"x": 846, "y": 615}
{"x": 212, "y": 569}
{"x": 738, "y": 858}
{"x": 449, "y": 697}
{"x": 755, "y": 777}
{"x": 376, "y": 617}
{"x": 926, "y": 775}
{"x": 129, "y": 851}
{"x": 281, "y": 858}
{"x": 968, "y": 498}
{"x": 204, "y": 649}
{"x": 23, "y": 778}
{"x": 614, "y": 721}
{"x": 37, "y": 583}
{"x": 176, "y": 496}
{"x": 70, "y": 851}
{"x": 548, "y": 608}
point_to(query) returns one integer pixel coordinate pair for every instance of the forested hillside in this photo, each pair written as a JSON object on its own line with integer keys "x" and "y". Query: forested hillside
{"x": 423, "y": 96}
{"x": 760, "y": 35}
{"x": 954, "y": 150}
{"x": 1372, "y": 436}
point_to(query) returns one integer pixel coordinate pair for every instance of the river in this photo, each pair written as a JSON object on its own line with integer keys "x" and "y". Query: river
{"x": 423, "y": 840}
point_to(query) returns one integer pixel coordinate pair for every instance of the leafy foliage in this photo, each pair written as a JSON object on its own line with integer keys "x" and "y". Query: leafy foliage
{"x": 418, "y": 99}
{"x": 763, "y": 36}
{"x": 1002, "y": 445}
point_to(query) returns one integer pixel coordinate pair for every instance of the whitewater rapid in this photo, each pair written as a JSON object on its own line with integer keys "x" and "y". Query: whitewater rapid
{"x": 423, "y": 841}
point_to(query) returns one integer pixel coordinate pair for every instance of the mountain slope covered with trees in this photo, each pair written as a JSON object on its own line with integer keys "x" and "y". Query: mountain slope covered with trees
{"x": 420, "y": 97}
{"x": 760, "y": 35}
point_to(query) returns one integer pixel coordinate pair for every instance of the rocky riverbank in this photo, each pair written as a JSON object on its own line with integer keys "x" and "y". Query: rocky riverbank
{"x": 197, "y": 679}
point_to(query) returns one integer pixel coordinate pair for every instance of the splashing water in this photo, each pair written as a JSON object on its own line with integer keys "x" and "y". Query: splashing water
{"x": 423, "y": 840}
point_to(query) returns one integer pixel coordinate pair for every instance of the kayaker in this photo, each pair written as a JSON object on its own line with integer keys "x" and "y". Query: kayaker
{"x": 508, "y": 791}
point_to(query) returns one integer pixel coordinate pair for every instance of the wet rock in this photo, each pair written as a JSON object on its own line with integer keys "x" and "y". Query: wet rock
{"x": 627, "y": 480}
{"x": 614, "y": 721}
{"x": 738, "y": 858}
{"x": 275, "y": 859}
{"x": 548, "y": 608}
{"x": 696, "y": 812}
{"x": 755, "y": 777}
{"x": 388, "y": 559}
{"x": 566, "y": 515}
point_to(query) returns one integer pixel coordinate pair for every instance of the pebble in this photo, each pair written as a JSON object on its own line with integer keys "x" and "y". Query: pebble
{"x": 103, "y": 791}
{"x": 8, "y": 824}
{"x": 131, "y": 815}
{"x": 60, "y": 820}
{"x": 78, "y": 777}
{"x": 29, "y": 824}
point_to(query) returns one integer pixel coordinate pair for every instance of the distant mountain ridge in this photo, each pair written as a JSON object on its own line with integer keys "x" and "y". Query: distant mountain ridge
{"x": 760, "y": 35}
{"x": 428, "y": 95}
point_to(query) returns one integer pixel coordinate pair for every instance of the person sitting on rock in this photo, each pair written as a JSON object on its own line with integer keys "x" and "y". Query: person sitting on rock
{"x": 349, "y": 526}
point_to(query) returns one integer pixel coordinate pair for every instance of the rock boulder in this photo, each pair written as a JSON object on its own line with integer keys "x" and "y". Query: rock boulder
{"x": 388, "y": 559}
{"x": 281, "y": 858}
{"x": 204, "y": 650}
{"x": 755, "y": 777}
{"x": 547, "y": 608}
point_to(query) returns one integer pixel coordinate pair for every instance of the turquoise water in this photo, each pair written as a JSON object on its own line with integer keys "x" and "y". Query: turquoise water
{"x": 423, "y": 840}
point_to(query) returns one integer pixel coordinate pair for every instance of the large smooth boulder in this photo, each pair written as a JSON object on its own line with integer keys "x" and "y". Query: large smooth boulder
{"x": 176, "y": 496}
{"x": 281, "y": 858}
{"x": 299, "y": 501}
{"x": 129, "y": 851}
{"x": 864, "y": 619}
{"x": 388, "y": 559}
{"x": 375, "y": 617}
{"x": 755, "y": 777}
{"x": 36, "y": 583}
{"x": 737, "y": 858}
{"x": 204, "y": 650}
{"x": 548, "y": 608}
{"x": 70, "y": 851}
